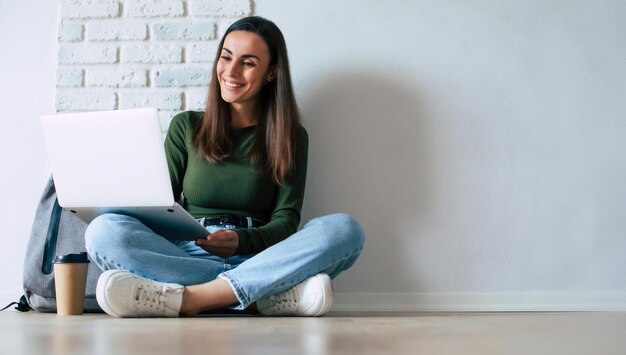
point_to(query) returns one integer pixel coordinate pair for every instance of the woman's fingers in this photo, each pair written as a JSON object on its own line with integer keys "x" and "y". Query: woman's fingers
{"x": 222, "y": 243}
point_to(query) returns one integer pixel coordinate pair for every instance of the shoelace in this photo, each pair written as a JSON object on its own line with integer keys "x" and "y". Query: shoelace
{"x": 287, "y": 300}
{"x": 150, "y": 296}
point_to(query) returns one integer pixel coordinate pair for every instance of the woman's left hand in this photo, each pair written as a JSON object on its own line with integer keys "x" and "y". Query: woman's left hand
{"x": 222, "y": 243}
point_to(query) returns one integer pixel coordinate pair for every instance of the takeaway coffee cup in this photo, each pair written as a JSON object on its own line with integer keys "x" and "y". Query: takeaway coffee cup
{"x": 70, "y": 279}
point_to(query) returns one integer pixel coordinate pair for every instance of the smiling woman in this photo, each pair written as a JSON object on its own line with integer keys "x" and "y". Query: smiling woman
{"x": 240, "y": 168}
{"x": 251, "y": 84}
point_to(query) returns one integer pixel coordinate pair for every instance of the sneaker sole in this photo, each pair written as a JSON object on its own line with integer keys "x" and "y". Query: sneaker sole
{"x": 328, "y": 295}
{"x": 103, "y": 280}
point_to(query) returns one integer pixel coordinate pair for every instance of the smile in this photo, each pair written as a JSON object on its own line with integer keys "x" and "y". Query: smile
{"x": 232, "y": 84}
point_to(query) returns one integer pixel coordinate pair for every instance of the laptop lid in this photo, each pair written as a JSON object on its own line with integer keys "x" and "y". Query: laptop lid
{"x": 114, "y": 162}
{"x": 108, "y": 158}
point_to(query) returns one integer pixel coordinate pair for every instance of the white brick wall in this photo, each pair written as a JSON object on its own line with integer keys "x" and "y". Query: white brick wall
{"x": 155, "y": 8}
{"x": 152, "y": 54}
{"x": 69, "y": 77}
{"x": 117, "y": 54}
{"x": 117, "y": 31}
{"x": 90, "y": 8}
{"x": 228, "y": 8}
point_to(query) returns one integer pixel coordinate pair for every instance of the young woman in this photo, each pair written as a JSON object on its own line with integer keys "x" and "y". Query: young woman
{"x": 240, "y": 168}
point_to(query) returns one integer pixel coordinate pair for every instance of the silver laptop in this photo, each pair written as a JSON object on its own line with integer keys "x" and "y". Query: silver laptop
{"x": 114, "y": 161}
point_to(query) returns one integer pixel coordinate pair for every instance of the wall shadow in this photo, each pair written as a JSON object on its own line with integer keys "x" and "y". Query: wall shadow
{"x": 369, "y": 155}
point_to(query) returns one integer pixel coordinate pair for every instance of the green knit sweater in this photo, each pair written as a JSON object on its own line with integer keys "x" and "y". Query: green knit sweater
{"x": 233, "y": 186}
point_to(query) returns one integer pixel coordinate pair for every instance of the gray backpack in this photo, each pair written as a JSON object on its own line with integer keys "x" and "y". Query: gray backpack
{"x": 54, "y": 232}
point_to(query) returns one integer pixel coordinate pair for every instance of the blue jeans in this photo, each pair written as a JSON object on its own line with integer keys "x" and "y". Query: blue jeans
{"x": 329, "y": 244}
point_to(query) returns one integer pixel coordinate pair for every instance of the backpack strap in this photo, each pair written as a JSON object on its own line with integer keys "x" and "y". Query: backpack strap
{"x": 51, "y": 238}
{"x": 22, "y": 305}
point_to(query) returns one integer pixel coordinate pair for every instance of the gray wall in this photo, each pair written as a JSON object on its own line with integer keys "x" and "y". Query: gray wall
{"x": 27, "y": 83}
{"x": 479, "y": 143}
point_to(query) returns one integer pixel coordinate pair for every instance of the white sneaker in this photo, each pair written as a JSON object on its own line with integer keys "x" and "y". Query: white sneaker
{"x": 123, "y": 294}
{"x": 312, "y": 297}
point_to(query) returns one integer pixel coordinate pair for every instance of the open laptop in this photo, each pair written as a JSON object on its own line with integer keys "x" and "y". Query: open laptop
{"x": 114, "y": 161}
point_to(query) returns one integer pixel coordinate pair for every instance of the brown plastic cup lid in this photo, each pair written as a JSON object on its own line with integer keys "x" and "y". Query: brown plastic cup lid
{"x": 71, "y": 258}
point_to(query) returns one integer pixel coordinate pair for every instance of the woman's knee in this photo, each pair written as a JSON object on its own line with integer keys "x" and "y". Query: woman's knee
{"x": 342, "y": 230}
{"x": 105, "y": 231}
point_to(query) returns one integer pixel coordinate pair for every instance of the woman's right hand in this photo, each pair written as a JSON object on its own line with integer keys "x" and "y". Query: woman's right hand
{"x": 222, "y": 243}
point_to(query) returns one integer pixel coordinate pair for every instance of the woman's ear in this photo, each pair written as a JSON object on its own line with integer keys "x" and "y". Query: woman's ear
{"x": 271, "y": 75}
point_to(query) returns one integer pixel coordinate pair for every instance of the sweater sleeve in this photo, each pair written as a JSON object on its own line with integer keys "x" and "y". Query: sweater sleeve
{"x": 285, "y": 216}
{"x": 176, "y": 151}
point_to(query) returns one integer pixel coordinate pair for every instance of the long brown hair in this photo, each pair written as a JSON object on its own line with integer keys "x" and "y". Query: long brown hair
{"x": 274, "y": 144}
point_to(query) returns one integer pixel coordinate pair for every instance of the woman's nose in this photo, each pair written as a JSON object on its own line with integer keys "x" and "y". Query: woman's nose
{"x": 232, "y": 69}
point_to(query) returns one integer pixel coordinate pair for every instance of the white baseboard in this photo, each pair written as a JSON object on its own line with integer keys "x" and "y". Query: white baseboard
{"x": 477, "y": 302}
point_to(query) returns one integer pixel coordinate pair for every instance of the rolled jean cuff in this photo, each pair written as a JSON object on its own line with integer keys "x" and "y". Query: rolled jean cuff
{"x": 244, "y": 301}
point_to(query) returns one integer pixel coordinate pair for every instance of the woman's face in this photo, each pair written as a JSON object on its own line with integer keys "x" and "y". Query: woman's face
{"x": 243, "y": 67}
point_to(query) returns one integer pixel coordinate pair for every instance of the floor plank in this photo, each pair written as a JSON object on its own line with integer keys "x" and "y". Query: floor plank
{"x": 337, "y": 333}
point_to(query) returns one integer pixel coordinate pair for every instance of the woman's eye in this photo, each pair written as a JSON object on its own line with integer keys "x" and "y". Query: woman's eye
{"x": 248, "y": 64}
{"x": 225, "y": 58}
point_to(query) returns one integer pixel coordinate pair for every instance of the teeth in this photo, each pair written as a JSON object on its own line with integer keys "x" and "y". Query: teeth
{"x": 233, "y": 85}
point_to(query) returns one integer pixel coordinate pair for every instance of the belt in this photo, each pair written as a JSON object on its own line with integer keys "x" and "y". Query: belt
{"x": 238, "y": 221}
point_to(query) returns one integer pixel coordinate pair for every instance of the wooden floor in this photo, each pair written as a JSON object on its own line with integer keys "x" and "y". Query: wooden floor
{"x": 337, "y": 333}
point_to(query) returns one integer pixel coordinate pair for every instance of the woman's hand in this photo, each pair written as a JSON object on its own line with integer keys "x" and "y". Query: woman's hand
{"x": 222, "y": 243}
